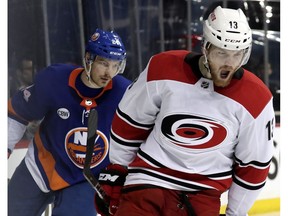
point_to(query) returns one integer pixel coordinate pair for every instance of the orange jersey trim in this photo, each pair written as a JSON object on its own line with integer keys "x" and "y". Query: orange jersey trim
{"x": 12, "y": 112}
{"x": 47, "y": 161}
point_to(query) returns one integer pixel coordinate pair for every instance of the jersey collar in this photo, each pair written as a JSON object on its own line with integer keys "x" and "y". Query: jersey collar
{"x": 88, "y": 103}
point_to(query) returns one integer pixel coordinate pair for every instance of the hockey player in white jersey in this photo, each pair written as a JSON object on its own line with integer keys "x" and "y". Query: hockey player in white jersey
{"x": 192, "y": 127}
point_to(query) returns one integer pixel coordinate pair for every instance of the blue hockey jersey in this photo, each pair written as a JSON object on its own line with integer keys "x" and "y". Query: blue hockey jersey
{"x": 59, "y": 98}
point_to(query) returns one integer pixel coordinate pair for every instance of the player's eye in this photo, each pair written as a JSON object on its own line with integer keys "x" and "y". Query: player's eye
{"x": 103, "y": 63}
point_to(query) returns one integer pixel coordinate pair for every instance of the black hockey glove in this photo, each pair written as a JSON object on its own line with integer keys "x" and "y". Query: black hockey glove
{"x": 111, "y": 179}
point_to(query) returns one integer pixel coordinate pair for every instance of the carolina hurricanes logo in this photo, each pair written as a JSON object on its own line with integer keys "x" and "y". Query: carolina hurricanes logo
{"x": 193, "y": 131}
{"x": 75, "y": 145}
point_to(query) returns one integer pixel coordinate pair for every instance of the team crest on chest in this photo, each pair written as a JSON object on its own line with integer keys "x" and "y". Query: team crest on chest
{"x": 75, "y": 146}
{"x": 193, "y": 132}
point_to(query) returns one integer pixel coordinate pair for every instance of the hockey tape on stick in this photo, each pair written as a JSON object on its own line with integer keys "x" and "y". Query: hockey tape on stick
{"x": 91, "y": 138}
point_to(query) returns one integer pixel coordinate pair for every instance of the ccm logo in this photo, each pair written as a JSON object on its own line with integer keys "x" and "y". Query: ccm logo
{"x": 232, "y": 41}
{"x": 108, "y": 177}
{"x": 115, "y": 53}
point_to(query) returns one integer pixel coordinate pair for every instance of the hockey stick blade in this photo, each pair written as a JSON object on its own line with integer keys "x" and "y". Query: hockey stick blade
{"x": 91, "y": 137}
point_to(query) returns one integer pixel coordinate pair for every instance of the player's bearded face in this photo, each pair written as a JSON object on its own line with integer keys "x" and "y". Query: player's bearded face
{"x": 103, "y": 70}
{"x": 223, "y": 64}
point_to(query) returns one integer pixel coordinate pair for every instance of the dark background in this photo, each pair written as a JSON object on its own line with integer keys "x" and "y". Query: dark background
{"x": 53, "y": 31}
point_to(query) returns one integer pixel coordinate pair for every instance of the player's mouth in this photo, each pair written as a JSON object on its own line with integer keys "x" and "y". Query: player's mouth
{"x": 105, "y": 79}
{"x": 224, "y": 74}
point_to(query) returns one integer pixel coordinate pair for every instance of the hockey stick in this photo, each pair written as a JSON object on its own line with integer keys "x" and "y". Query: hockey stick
{"x": 91, "y": 137}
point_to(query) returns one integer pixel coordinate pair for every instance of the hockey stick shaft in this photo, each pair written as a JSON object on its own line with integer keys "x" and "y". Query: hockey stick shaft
{"x": 91, "y": 138}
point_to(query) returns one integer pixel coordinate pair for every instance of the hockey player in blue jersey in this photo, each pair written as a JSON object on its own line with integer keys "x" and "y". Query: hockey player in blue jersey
{"x": 62, "y": 97}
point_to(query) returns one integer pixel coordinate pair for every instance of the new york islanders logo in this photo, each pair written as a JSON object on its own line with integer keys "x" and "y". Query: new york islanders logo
{"x": 95, "y": 36}
{"x": 193, "y": 132}
{"x": 75, "y": 146}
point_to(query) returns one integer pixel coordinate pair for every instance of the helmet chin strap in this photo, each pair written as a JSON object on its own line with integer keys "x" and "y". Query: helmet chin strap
{"x": 204, "y": 62}
{"x": 204, "y": 67}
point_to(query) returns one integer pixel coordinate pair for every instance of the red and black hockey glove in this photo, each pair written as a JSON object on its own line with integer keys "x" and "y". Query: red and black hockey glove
{"x": 111, "y": 179}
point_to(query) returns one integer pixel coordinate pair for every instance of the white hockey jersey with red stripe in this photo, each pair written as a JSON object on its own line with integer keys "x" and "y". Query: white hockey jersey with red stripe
{"x": 175, "y": 129}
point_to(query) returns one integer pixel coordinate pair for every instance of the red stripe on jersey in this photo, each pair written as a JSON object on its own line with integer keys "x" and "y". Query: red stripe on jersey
{"x": 249, "y": 91}
{"x": 251, "y": 174}
{"x": 172, "y": 62}
{"x": 23, "y": 143}
{"x": 220, "y": 184}
{"x": 127, "y": 131}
